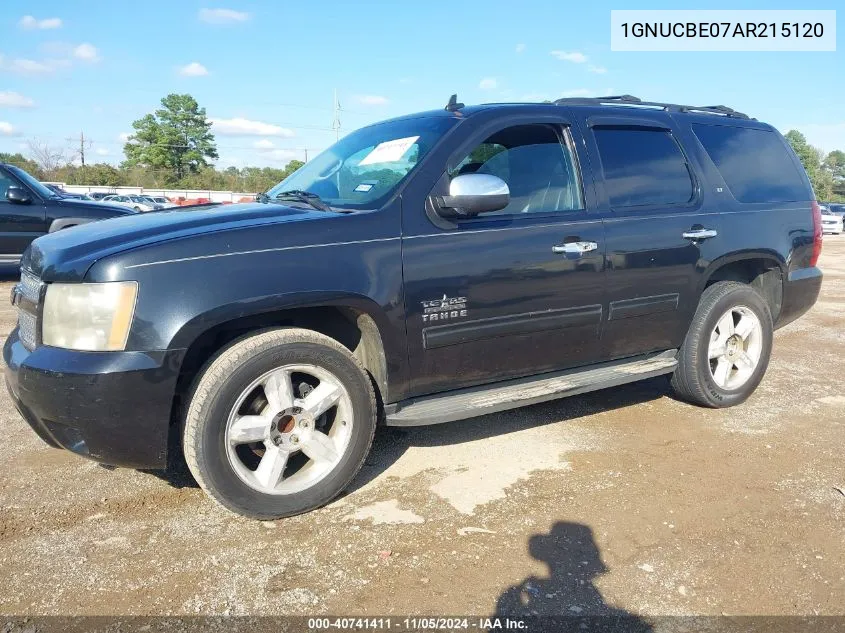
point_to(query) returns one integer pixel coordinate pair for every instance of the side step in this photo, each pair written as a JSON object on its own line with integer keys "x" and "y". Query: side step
{"x": 510, "y": 394}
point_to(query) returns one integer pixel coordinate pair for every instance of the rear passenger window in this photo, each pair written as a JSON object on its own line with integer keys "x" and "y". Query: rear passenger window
{"x": 755, "y": 164}
{"x": 643, "y": 167}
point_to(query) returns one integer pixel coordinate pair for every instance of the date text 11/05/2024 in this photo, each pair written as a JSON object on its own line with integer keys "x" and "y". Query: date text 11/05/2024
{"x": 419, "y": 624}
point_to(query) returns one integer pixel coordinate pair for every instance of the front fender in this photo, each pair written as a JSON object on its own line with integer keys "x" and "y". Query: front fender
{"x": 187, "y": 287}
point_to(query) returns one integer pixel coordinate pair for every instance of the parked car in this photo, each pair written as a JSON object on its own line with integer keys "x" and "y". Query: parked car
{"x": 425, "y": 269}
{"x": 837, "y": 209}
{"x": 99, "y": 195}
{"x": 29, "y": 209}
{"x": 164, "y": 202}
{"x": 151, "y": 200}
{"x": 134, "y": 201}
{"x": 831, "y": 222}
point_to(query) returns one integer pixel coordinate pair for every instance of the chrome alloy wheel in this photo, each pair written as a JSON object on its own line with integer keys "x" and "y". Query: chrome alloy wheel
{"x": 289, "y": 429}
{"x": 736, "y": 344}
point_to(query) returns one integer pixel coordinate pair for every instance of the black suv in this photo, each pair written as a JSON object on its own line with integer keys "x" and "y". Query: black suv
{"x": 29, "y": 209}
{"x": 425, "y": 269}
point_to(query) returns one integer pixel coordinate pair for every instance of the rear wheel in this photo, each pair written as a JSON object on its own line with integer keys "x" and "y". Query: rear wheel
{"x": 279, "y": 423}
{"x": 726, "y": 351}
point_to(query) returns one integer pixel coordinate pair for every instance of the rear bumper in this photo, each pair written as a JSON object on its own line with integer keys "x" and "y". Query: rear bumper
{"x": 112, "y": 407}
{"x": 800, "y": 292}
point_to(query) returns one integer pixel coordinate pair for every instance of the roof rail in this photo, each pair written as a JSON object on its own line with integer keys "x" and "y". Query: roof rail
{"x": 630, "y": 100}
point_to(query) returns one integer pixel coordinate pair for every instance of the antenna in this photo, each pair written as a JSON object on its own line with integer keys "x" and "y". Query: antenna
{"x": 453, "y": 105}
{"x": 336, "y": 122}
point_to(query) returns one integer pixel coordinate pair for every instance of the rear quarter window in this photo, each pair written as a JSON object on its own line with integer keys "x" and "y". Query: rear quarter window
{"x": 755, "y": 164}
{"x": 643, "y": 167}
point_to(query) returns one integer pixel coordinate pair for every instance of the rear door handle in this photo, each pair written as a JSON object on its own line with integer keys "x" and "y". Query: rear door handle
{"x": 575, "y": 248}
{"x": 700, "y": 234}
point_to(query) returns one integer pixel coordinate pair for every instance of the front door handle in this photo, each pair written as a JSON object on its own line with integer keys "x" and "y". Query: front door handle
{"x": 700, "y": 234}
{"x": 575, "y": 248}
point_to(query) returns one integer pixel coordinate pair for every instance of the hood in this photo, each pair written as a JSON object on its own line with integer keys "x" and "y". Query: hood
{"x": 67, "y": 255}
{"x": 103, "y": 208}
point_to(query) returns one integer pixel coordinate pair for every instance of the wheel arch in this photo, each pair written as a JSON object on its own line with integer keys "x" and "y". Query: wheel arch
{"x": 765, "y": 271}
{"x": 66, "y": 223}
{"x": 355, "y": 322}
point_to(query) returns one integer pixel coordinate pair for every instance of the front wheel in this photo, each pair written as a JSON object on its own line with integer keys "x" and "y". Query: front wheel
{"x": 279, "y": 423}
{"x": 726, "y": 351}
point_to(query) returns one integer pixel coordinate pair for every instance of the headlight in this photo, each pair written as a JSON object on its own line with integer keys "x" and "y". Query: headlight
{"x": 90, "y": 317}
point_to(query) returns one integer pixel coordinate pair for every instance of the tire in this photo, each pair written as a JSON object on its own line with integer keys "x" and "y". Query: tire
{"x": 703, "y": 380}
{"x": 226, "y": 424}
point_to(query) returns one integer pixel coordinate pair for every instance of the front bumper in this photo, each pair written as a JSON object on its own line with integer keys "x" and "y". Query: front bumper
{"x": 800, "y": 292}
{"x": 112, "y": 407}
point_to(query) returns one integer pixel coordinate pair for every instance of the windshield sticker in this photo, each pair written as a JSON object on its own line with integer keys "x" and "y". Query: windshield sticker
{"x": 364, "y": 187}
{"x": 389, "y": 151}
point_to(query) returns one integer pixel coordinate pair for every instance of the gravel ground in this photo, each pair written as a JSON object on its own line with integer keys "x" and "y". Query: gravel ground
{"x": 621, "y": 501}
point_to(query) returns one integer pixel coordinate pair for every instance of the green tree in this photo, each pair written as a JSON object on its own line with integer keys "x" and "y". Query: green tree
{"x": 835, "y": 164}
{"x": 19, "y": 160}
{"x": 175, "y": 140}
{"x": 811, "y": 159}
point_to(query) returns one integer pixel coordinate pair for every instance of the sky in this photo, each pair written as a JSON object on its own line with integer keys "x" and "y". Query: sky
{"x": 267, "y": 71}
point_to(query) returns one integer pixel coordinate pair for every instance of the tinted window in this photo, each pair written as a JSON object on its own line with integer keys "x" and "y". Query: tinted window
{"x": 540, "y": 171}
{"x": 5, "y": 183}
{"x": 643, "y": 167}
{"x": 755, "y": 164}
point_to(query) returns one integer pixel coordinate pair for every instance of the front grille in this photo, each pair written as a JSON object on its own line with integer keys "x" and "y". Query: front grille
{"x": 30, "y": 291}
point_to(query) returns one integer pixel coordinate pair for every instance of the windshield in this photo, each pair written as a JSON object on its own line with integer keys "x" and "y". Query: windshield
{"x": 363, "y": 169}
{"x": 33, "y": 184}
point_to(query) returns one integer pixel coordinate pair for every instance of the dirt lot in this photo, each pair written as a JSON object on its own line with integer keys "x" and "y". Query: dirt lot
{"x": 619, "y": 501}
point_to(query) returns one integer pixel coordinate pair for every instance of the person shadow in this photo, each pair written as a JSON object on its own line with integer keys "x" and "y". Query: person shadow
{"x": 568, "y": 599}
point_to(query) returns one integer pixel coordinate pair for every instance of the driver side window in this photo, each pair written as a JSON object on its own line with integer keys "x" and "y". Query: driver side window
{"x": 539, "y": 169}
{"x": 5, "y": 183}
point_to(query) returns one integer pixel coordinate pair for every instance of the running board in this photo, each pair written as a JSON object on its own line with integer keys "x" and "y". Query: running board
{"x": 510, "y": 394}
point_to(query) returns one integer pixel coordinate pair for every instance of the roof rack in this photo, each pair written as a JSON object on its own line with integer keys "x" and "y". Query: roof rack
{"x": 632, "y": 101}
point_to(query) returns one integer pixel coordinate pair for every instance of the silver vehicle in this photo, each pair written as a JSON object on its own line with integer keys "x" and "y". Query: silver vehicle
{"x": 139, "y": 203}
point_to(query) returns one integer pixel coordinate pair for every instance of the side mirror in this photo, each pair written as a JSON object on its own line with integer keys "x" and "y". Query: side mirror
{"x": 18, "y": 195}
{"x": 471, "y": 194}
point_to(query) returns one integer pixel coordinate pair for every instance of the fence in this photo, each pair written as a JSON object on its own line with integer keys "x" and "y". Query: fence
{"x": 188, "y": 194}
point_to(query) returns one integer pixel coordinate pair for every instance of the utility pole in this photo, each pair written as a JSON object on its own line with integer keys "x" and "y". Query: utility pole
{"x": 82, "y": 148}
{"x": 336, "y": 122}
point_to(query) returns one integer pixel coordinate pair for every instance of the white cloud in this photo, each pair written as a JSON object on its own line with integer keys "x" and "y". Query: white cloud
{"x": 7, "y": 129}
{"x": 28, "y": 66}
{"x": 123, "y": 137}
{"x": 599, "y": 70}
{"x": 373, "y": 100}
{"x": 520, "y": 48}
{"x": 245, "y": 127}
{"x": 406, "y": 80}
{"x": 86, "y": 52}
{"x": 264, "y": 144}
{"x": 283, "y": 155}
{"x": 222, "y": 16}
{"x": 574, "y": 57}
{"x": 488, "y": 83}
{"x": 102, "y": 151}
{"x": 10, "y": 99}
{"x": 194, "y": 69}
{"x": 29, "y": 22}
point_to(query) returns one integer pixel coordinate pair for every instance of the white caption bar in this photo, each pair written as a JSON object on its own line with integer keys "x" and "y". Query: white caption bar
{"x": 708, "y": 30}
